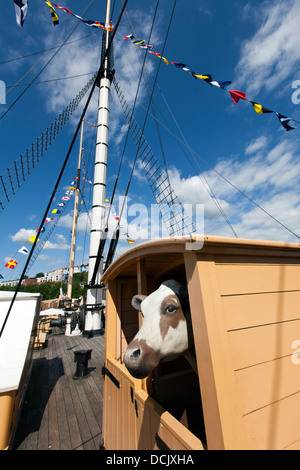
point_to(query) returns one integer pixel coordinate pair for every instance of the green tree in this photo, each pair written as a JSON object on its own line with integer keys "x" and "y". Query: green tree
{"x": 51, "y": 290}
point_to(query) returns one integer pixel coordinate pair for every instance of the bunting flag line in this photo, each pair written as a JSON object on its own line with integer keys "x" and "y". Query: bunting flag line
{"x": 117, "y": 218}
{"x": 21, "y": 7}
{"x": 93, "y": 24}
{"x": 11, "y": 264}
{"x": 24, "y": 250}
{"x": 236, "y": 95}
{"x": 53, "y": 13}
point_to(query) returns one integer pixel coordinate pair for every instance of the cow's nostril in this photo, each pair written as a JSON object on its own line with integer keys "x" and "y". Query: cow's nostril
{"x": 136, "y": 353}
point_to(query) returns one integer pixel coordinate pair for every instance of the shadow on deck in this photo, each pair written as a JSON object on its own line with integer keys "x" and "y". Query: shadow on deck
{"x": 60, "y": 413}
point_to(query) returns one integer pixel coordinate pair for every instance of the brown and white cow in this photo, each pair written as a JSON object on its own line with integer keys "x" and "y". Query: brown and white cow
{"x": 166, "y": 331}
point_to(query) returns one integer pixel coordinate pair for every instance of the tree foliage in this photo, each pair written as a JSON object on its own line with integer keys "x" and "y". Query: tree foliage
{"x": 51, "y": 290}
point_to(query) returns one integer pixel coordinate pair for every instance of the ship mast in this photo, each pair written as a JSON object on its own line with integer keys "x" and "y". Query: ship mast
{"x": 94, "y": 293}
{"x": 75, "y": 219}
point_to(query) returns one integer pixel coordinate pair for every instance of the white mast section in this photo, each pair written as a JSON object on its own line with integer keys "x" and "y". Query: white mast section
{"x": 94, "y": 294}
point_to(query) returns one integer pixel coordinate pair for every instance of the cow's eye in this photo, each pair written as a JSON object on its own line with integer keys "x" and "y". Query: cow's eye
{"x": 170, "y": 309}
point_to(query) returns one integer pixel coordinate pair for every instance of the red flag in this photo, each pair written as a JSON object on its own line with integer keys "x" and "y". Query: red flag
{"x": 237, "y": 95}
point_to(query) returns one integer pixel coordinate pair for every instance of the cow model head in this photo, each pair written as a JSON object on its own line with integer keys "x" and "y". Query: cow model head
{"x": 166, "y": 330}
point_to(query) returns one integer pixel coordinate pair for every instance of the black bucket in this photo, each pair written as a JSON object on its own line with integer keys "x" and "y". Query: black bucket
{"x": 81, "y": 358}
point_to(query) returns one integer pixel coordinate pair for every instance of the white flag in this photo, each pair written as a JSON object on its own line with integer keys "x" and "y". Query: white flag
{"x": 24, "y": 250}
{"x": 21, "y": 7}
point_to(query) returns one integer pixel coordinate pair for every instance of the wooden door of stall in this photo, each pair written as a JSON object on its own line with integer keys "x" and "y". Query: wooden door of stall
{"x": 245, "y": 310}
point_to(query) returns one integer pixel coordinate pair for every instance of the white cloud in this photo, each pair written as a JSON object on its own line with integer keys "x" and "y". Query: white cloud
{"x": 268, "y": 176}
{"x": 42, "y": 257}
{"x": 61, "y": 243}
{"x": 83, "y": 57}
{"x": 83, "y": 221}
{"x": 256, "y": 145}
{"x": 273, "y": 53}
{"x": 22, "y": 235}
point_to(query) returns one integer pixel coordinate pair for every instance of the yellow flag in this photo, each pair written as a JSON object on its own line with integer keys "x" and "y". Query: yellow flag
{"x": 259, "y": 108}
{"x": 32, "y": 239}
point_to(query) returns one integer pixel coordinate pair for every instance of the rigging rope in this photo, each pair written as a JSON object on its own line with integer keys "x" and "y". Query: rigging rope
{"x": 225, "y": 179}
{"x": 145, "y": 120}
{"x": 158, "y": 179}
{"x": 115, "y": 236}
{"x": 205, "y": 183}
{"x": 64, "y": 166}
{"x": 55, "y": 53}
{"x": 160, "y": 186}
{"x": 45, "y": 50}
{"x": 17, "y": 173}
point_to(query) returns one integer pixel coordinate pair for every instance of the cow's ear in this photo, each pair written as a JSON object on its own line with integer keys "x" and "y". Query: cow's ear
{"x": 137, "y": 300}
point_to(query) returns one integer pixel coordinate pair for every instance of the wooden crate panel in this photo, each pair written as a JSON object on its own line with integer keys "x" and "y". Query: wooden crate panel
{"x": 128, "y": 290}
{"x": 153, "y": 420}
{"x": 265, "y": 343}
{"x": 244, "y": 311}
{"x": 246, "y": 279}
{"x": 129, "y": 316}
{"x": 276, "y": 426}
{"x": 120, "y": 412}
{"x": 267, "y": 383}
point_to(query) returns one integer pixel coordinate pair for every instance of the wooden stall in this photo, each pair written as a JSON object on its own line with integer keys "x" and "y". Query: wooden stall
{"x": 245, "y": 308}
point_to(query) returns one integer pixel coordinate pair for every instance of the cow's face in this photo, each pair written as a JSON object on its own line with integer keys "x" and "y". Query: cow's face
{"x": 165, "y": 331}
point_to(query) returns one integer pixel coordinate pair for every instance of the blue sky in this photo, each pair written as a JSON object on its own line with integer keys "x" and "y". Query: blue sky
{"x": 255, "y": 44}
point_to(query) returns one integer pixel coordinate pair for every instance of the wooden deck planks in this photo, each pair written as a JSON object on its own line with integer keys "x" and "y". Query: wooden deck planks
{"x": 60, "y": 413}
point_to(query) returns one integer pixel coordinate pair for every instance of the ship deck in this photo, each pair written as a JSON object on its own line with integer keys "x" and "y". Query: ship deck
{"x": 60, "y": 413}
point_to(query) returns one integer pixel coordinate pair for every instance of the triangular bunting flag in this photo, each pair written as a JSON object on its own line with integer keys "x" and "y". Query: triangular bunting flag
{"x": 260, "y": 109}
{"x": 237, "y": 95}
{"x": 285, "y": 122}
{"x": 53, "y": 13}
{"x": 21, "y": 7}
{"x": 11, "y": 264}
{"x": 130, "y": 36}
{"x": 23, "y": 250}
{"x": 33, "y": 238}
